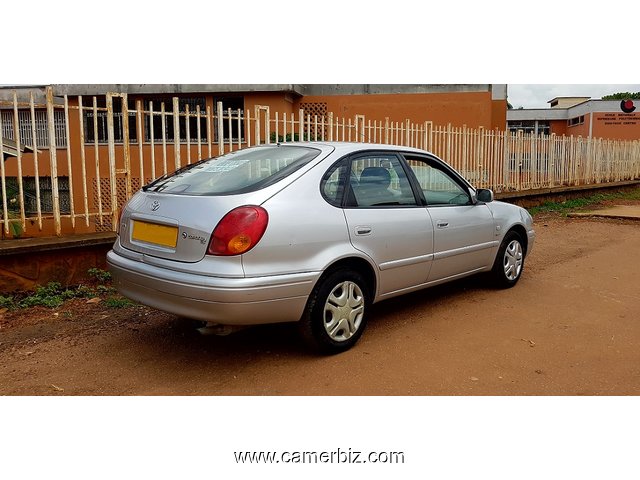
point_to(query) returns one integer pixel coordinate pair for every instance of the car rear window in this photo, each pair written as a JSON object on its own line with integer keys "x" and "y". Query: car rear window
{"x": 236, "y": 172}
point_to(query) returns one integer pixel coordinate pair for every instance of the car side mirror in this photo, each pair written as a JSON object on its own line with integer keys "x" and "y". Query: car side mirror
{"x": 484, "y": 195}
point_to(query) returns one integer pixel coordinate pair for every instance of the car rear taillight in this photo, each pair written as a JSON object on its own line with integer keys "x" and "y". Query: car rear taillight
{"x": 238, "y": 231}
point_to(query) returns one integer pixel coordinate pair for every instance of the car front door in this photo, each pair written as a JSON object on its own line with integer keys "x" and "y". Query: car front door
{"x": 464, "y": 231}
{"x": 386, "y": 222}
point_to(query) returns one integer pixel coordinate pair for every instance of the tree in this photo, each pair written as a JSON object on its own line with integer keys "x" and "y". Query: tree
{"x": 622, "y": 96}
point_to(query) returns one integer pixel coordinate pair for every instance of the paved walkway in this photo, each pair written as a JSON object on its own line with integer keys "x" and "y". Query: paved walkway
{"x": 631, "y": 212}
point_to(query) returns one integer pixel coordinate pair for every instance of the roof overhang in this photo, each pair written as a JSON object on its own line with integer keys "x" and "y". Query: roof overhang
{"x": 537, "y": 114}
{"x": 171, "y": 88}
{"x": 10, "y": 148}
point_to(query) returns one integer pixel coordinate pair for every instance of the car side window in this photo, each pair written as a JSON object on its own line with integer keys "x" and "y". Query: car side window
{"x": 332, "y": 186}
{"x": 437, "y": 185}
{"x": 378, "y": 180}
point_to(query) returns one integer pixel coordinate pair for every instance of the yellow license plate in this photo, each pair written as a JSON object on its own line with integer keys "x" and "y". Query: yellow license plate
{"x": 155, "y": 234}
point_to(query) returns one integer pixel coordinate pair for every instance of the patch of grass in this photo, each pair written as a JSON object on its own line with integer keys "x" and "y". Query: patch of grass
{"x": 99, "y": 276}
{"x": 7, "y": 302}
{"x": 84, "y": 291}
{"x": 53, "y": 294}
{"x": 583, "y": 202}
{"x": 104, "y": 289}
{"x": 118, "y": 302}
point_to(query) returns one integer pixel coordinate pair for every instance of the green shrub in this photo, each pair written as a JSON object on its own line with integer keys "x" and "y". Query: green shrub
{"x": 53, "y": 294}
{"x": 296, "y": 137}
{"x": 84, "y": 291}
{"x": 7, "y": 302}
{"x": 103, "y": 289}
{"x": 50, "y": 295}
{"x": 99, "y": 275}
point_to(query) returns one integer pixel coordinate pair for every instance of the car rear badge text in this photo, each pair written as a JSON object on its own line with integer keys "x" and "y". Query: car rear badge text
{"x": 188, "y": 236}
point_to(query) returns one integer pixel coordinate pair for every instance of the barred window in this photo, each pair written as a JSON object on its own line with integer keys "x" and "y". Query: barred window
{"x": 98, "y": 130}
{"x": 530, "y": 126}
{"x": 231, "y": 132}
{"x": 25, "y": 125}
{"x": 192, "y": 102}
{"x": 30, "y": 198}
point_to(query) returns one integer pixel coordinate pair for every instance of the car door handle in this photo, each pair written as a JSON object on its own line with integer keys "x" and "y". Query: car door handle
{"x": 442, "y": 224}
{"x": 363, "y": 230}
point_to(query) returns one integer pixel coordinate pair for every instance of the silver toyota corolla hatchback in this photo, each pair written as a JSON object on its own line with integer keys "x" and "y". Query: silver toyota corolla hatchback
{"x": 313, "y": 233}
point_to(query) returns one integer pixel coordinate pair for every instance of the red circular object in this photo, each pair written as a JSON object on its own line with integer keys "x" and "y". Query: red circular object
{"x": 243, "y": 226}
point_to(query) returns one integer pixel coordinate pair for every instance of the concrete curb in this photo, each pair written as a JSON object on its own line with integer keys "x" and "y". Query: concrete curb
{"x": 624, "y": 212}
{"x": 45, "y": 244}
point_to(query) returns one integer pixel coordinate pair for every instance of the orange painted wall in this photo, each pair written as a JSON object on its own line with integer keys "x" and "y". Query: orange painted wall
{"x": 581, "y": 130}
{"x": 499, "y": 114}
{"x": 473, "y": 109}
{"x": 277, "y": 102}
{"x": 558, "y": 127}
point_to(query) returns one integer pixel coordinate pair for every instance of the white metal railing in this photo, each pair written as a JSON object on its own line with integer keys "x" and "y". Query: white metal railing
{"x": 100, "y": 155}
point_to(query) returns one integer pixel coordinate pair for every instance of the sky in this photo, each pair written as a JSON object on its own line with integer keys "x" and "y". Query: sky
{"x": 391, "y": 47}
{"x": 537, "y": 95}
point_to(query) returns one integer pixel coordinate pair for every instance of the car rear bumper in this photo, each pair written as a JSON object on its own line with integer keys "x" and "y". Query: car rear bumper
{"x": 223, "y": 300}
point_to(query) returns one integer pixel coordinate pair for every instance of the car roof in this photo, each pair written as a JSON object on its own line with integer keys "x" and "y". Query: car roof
{"x": 344, "y": 148}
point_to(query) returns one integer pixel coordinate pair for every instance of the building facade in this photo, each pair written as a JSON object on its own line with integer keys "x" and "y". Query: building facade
{"x": 580, "y": 117}
{"x": 474, "y": 105}
{"x": 73, "y": 154}
{"x": 92, "y": 151}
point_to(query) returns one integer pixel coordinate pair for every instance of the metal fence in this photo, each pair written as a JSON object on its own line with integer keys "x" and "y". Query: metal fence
{"x": 91, "y": 154}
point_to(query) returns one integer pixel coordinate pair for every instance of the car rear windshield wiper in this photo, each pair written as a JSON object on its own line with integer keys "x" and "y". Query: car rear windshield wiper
{"x": 177, "y": 172}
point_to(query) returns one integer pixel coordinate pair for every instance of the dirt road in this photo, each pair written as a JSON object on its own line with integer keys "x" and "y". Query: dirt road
{"x": 570, "y": 327}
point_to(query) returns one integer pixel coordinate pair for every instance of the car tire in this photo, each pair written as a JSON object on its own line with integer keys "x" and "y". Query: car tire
{"x": 336, "y": 312}
{"x": 509, "y": 262}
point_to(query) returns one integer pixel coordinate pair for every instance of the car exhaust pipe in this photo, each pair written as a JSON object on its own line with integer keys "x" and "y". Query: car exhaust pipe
{"x": 211, "y": 328}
